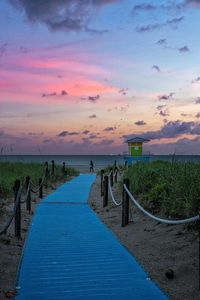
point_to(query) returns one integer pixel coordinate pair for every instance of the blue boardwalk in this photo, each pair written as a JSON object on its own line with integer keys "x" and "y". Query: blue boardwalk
{"x": 70, "y": 254}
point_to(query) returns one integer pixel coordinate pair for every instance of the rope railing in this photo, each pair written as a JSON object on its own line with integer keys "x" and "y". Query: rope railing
{"x": 106, "y": 187}
{"x": 41, "y": 184}
{"x": 161, "y": 220}
{"x": 117, "y": 203}
{"x": 19, "y": 190}
{"x": 17, "y": 202}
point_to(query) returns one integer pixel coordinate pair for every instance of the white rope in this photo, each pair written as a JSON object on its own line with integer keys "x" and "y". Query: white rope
{"x": 112, "y": 196}
{"x": 172, "y": 222}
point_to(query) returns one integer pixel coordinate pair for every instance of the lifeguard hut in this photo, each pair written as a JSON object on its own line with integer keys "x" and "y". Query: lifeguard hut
{"x": 135, "y": 150}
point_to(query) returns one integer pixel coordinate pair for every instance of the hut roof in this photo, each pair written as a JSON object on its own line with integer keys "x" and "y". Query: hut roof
{"x": 137, "y": 140}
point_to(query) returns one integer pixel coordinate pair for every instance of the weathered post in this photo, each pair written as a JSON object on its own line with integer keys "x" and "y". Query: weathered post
{"x": 18, "y": 210}
{"x": 102, "y": 174}
{"x": 116, "y": 176}
{"x": 40, "y": 188}
{"x": 63, "y": 168}
{"x": 126, "y": 165}
{"x": 46, "y": 169}
{"x": 125, "y": 204}
{"x": 105, "y": 195}
{"x": 111, "y": 177}
{"x": 28, "y": 199}
{"x": 52, "y": 167}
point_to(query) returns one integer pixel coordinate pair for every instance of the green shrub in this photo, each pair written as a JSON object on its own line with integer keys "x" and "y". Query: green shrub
{"x": 173, "y": 188}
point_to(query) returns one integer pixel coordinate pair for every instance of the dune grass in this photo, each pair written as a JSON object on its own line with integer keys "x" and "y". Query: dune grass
{"x": 9, "y": 172}
{"x": 171, "y": 188}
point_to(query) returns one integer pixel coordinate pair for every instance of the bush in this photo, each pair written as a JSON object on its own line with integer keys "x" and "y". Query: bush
{"x": 172, "y": 188}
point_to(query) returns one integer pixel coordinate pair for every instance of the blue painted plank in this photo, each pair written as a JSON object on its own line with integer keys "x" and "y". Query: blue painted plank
{"x": 70, "y": 254}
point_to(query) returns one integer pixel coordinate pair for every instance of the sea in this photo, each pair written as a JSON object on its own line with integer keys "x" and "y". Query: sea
{"x": 82, "y": 162}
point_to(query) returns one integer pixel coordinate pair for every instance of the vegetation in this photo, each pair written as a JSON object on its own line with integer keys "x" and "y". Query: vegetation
{"x": 9, "y": 172}
{"x": 170, "y": 188}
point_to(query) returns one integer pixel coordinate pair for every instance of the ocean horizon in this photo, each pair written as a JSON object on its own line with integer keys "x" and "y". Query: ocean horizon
{"x": 82, "y": 162}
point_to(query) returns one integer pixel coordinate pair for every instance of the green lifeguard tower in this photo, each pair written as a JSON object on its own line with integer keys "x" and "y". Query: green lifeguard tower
{"x": 135, "y": 150}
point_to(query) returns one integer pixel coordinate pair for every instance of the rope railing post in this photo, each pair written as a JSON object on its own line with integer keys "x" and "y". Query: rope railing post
{"x": 40, "y": 188}
{"x": 28, "y": 199}
{"x": 116, "y": 176}
{"x": 102, "y": 182}
{"x": 46, "y": 169}
{"x": 111, "y": 177}
{"x": 125, "y": 204}
{"x": 52, "y": 167}
{"x": 18, "y": 210}
{"x": 63, "y": 168}
{"x": 105, "y": 194}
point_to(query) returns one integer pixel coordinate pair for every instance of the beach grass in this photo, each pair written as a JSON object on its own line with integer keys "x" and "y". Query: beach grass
{"x": 9, "y": 172}
{"x": 170, "y": 188}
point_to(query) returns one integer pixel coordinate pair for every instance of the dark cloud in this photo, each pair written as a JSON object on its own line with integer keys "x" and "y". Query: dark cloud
{"x": 164, "y": 113}
{"x": 197, "y": 115}
{"x": 123, "y": 91}
{"x": 109, "y": 129}
{"x": 93, "y": 98}
{"x": 197, "y": 101}
{"x": 166, "y": 96}
{"x": 171, "y": 129}
{"x": 150, "y": 27}
{"x": 62, "y": 15}
{"x": 140, "y": 123}
{"x": 62, "y": 93}
{"x": 67, "y": 133}
{"x": 92, "y": 116}
{"x": 161, "y": 42}
{"x": 93, "y": 136}
{"x": 184, "y": 49}
{"x": 155, "y": 67}
{"x": 185, "y": 115}
{"x": 85, "y": 132}
{"x": 196, "y": 80}
{"x": 143, "y": 7}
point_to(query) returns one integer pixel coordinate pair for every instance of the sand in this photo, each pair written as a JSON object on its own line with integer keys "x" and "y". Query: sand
{"x": 157, "y": 248}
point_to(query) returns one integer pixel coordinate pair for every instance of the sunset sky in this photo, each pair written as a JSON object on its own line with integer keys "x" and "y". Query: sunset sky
{"x": 80, "y": 77}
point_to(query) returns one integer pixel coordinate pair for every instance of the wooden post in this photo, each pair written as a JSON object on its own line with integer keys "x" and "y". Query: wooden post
{"x": 111, "y": 177}
{"x": 125, "y": 204}
{"x": 105, "y": 195}
{"x": 126, "y": 165}
{"x": 28, "y": 200}
{"x": 102, "y": 173}
{"x": 41, "y": 188}
{"x": 46, "y": 169}
{"x": 18, "y": 210}
{"x": 63, "y": 168}
{"x": 53, "y": 167}
{"x": 115, "y": 165}
{"x": 116, "y": 176}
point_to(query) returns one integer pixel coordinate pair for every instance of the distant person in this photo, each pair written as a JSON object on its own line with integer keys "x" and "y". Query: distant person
{"x": 91, "y": 166}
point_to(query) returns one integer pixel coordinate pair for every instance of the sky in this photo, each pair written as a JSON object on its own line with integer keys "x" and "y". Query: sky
{"x": 82, "y": 77}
